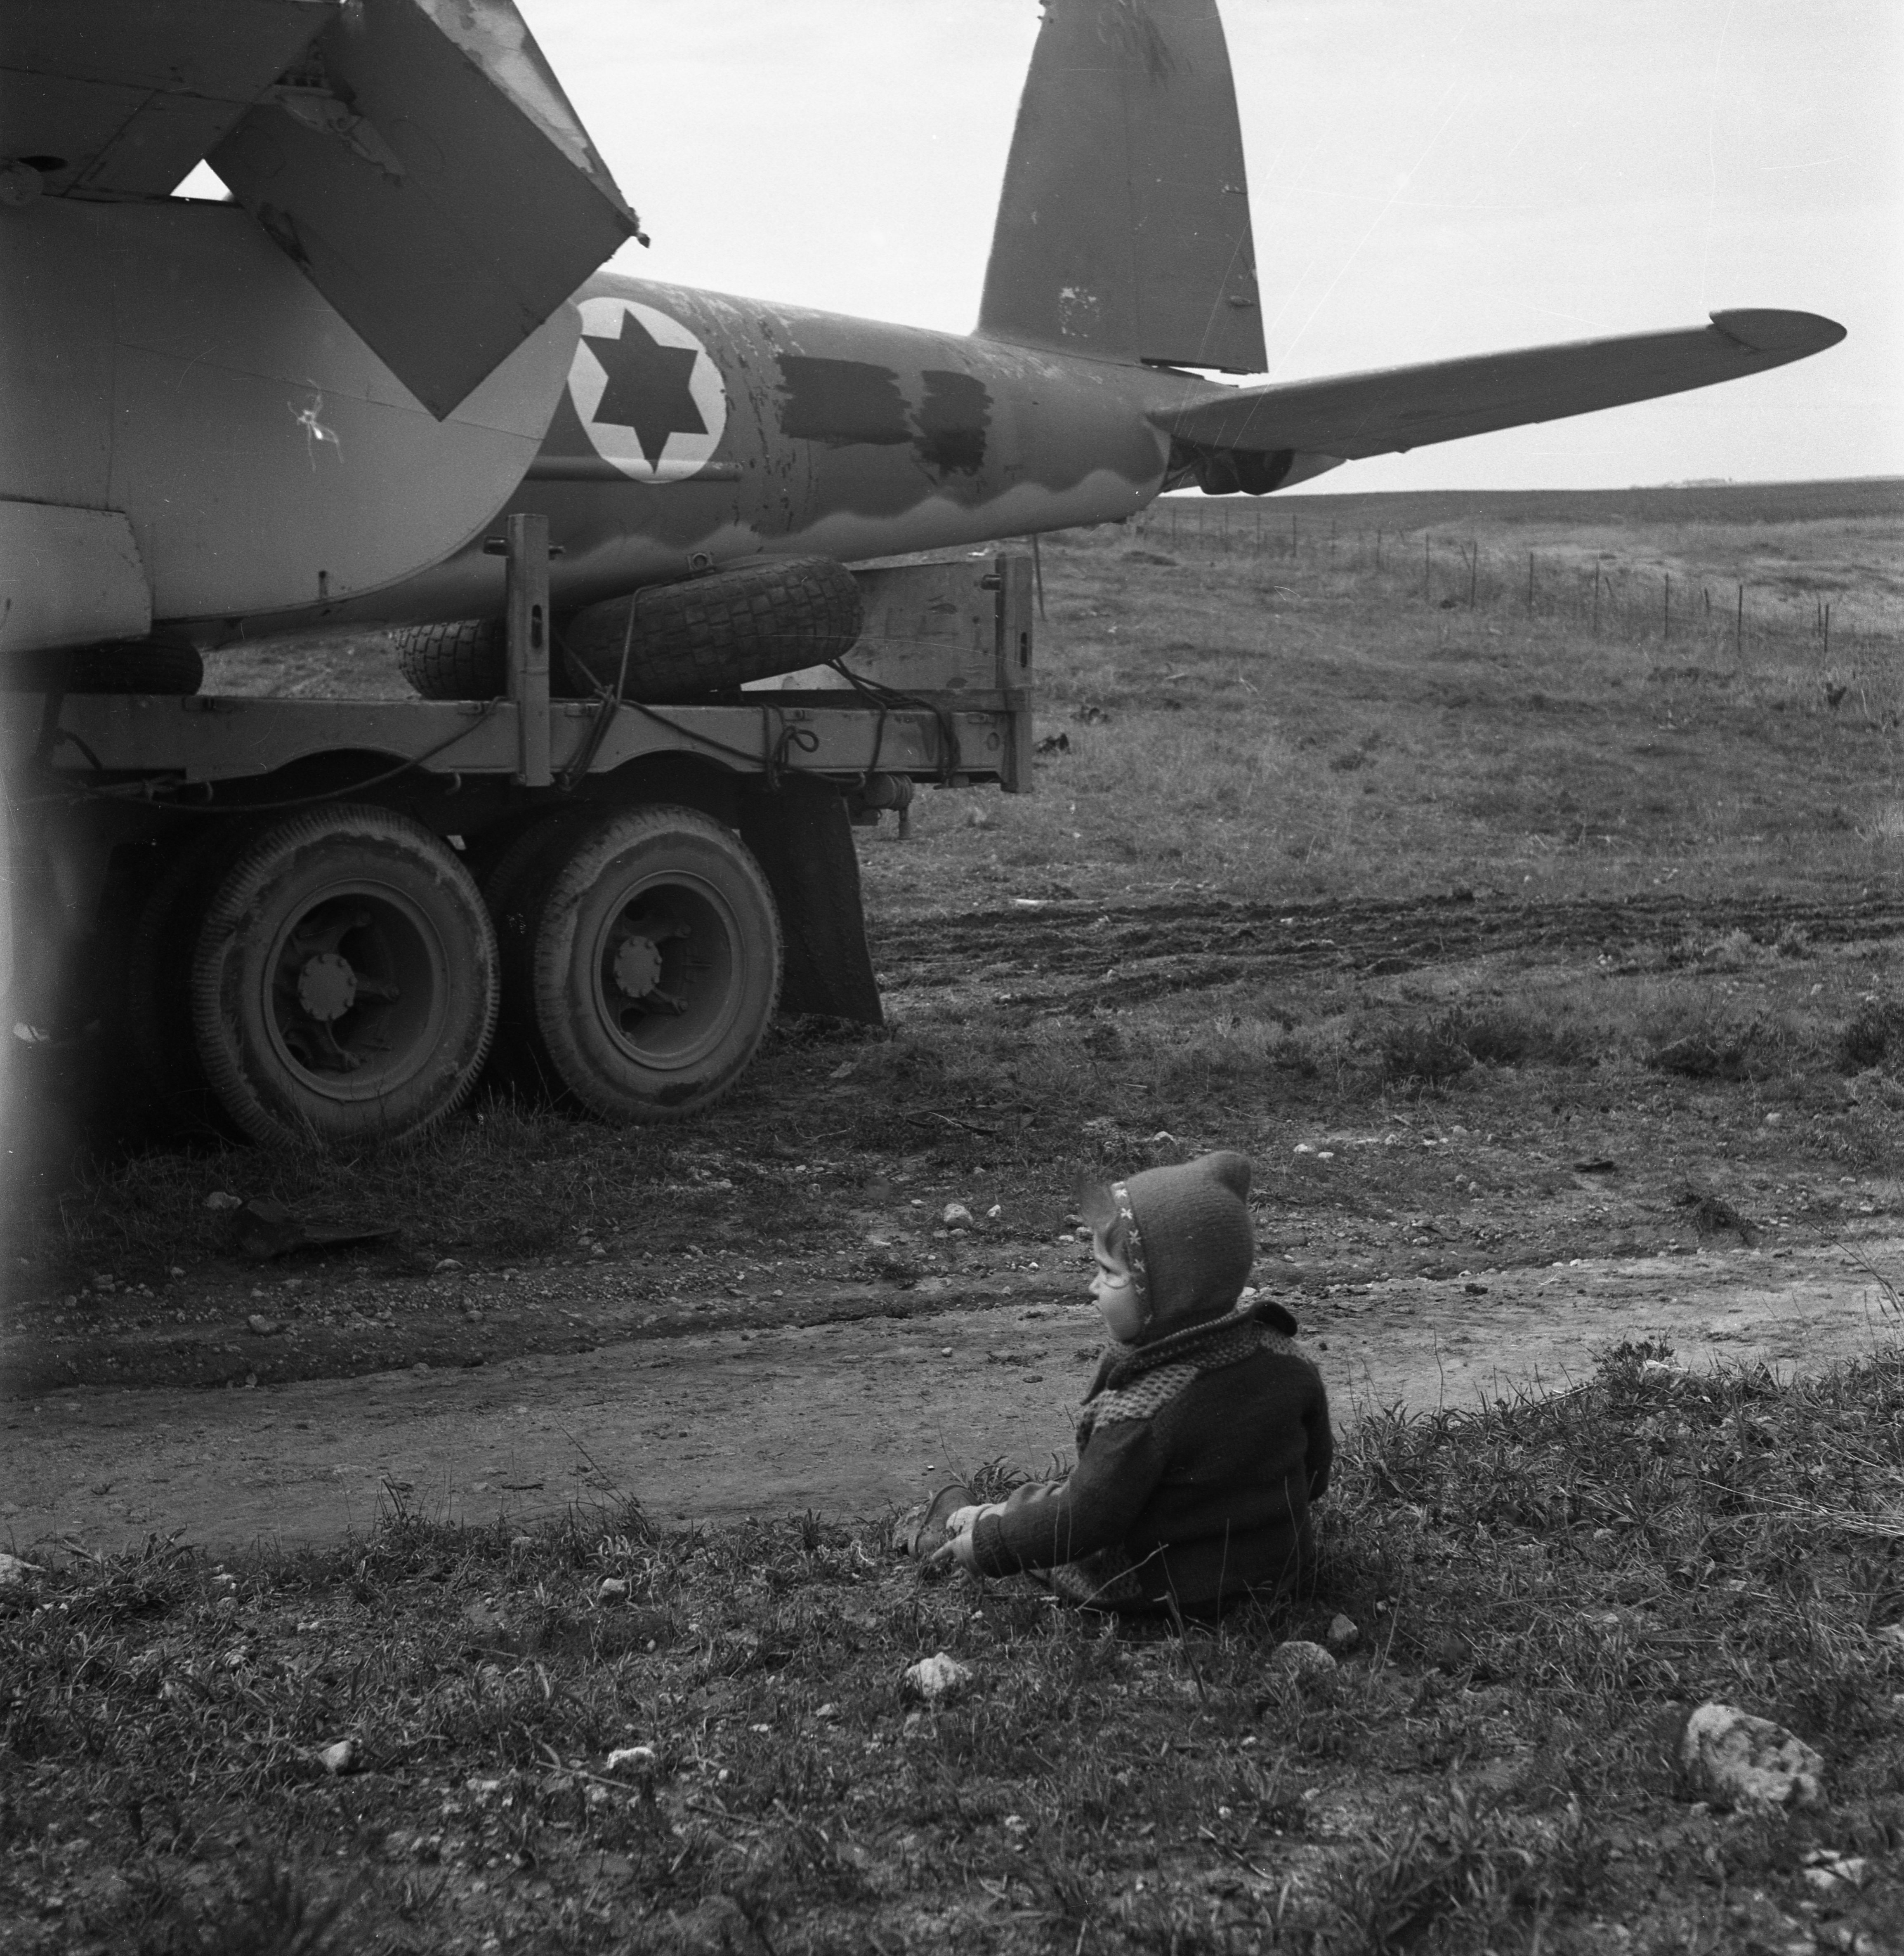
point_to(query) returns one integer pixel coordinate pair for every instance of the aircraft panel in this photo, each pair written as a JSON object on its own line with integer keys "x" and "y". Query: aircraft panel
{"x": 129, "y": 94}
{"x": 67, "y": 576}
{"x": 175, "y": 369}
{"x": 432, "y": 183}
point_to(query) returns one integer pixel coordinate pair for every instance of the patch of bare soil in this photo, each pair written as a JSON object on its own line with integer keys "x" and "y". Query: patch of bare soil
{"x": 849, "y": 1414}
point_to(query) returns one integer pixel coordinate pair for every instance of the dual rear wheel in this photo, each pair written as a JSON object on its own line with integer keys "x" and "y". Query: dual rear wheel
{"x": 641, "y": 961}
{"x": 338, "y": 976}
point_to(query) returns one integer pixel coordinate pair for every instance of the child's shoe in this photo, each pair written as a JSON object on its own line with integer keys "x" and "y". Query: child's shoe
{"x": 920, "y": 1532}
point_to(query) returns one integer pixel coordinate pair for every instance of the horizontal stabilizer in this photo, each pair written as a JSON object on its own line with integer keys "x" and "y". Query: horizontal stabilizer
{"x": 1396, "y": 408}
{"x": 421, "y": 166}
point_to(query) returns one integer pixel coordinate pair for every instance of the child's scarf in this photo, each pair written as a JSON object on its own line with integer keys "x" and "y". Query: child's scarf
{"x": 1135, "y": 1381}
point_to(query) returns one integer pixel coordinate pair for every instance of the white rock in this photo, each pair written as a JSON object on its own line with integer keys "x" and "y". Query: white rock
{"x": 611, "y": 1588}
{"x": 995, "y": 1212}
{"x": 1828, "y": 1873}
{"x": 1301, "y": 1658}
{"x": 1343, "y": 1632}
{"x": 1743, "y": 1762}
{"x": 1891, "y": 1634}
{"x": 443, "y": 1264}
{"x": 955, "y": 1216}
{"x": 342, "y": 1757}
{"x": 937, "y": 1677}
{"x": 631, "y": 1759}
{"x": 14, "y": 1572}
{"x": 262, "y": 1327}
{"x": 221, "y": 1198}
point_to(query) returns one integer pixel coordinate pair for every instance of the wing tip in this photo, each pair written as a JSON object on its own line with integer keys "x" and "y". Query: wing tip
{"x": 1768, "y": 329}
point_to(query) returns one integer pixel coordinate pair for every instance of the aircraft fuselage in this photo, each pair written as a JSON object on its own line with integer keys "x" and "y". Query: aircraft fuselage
{"x": 694, "y": 427}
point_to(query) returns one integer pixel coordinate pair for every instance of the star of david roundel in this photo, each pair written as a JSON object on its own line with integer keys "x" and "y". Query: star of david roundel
{"x": 648, "y": 392}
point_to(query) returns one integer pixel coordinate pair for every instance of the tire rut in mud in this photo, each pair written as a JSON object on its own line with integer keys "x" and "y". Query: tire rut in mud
{"x": 1076, "y": 956}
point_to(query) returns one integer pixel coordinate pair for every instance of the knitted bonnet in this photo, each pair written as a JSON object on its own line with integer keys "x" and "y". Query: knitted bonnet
{"x": 1188, "y": 1238}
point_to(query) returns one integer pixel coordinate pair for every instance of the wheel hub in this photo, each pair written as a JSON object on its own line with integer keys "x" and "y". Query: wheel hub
{"x": 326, "y": 986}
{"x": 636, "y": 968}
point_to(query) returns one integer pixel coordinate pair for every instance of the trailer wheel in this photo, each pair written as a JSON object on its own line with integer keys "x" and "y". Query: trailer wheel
{"x": 155, "y": 1013}
{"x": 343, "y": 987}
{"x": 641, "y": 961}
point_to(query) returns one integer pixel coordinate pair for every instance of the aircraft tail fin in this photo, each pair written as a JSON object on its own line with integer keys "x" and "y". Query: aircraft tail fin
{"x": 1123, "y": 229}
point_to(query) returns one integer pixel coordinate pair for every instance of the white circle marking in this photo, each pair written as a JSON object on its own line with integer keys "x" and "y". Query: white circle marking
{"x": 682, "y": 453}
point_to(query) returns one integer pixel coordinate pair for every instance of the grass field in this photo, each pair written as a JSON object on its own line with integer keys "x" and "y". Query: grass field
{"x": 1534, "y": 1598}
{"x": 1315, "y": 851}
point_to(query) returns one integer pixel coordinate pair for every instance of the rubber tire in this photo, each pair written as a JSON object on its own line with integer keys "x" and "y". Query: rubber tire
{"x": 556, "y": 906}
{"x": 132, "y": 666}
{"x": 154, "y": 1017}
{"x": 429, "y": 922}
{"x": 469, "y": 660}
{"x": 712, "y": 634}
{"x": 465, "y": 660}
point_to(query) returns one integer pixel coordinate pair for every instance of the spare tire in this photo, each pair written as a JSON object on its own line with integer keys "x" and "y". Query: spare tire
{"x": 467, "y": 659}
{"x": 463, "y": 660}
{"x": 712, "y": 634}
{"x": 130, "y": 665}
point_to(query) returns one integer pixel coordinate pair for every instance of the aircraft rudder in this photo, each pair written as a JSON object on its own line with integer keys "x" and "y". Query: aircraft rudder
{"x": 1123, "y": 227}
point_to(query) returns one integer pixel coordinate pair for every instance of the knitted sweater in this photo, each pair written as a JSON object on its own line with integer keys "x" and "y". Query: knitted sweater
{"x": 1198, "y": 1457}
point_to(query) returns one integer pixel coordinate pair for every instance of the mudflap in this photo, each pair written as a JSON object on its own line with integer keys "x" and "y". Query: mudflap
{"x": 800, "y": 836}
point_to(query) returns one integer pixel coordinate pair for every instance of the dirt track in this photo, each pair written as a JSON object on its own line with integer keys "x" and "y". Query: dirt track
{"x": 1070, "y": 956}
{"x": 844, "y": 1418}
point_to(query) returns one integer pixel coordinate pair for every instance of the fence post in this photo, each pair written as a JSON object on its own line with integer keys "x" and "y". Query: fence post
{"x": 1530, "y": 583}
{"x": 1827, "y": 656}
{"x": 1738, "y": 630}
{"x": 1428, "y": 545}
{"x": 1474, "y": 567}
{"x": 1597, "y": 600}
{"x": 1666, "y": 624}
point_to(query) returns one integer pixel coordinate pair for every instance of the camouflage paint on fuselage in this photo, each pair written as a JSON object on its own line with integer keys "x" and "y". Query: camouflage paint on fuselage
{"x": 837, "y": 437}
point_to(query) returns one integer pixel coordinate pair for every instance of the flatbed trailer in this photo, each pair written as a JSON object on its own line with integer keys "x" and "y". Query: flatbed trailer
{"x": 313, "y": 921}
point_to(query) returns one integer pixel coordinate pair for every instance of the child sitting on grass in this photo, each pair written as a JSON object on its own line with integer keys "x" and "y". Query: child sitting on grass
{"x": 1205, "y": 1435}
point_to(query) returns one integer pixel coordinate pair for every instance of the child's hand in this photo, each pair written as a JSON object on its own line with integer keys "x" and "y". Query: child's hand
{"x": 961, "y": 1548}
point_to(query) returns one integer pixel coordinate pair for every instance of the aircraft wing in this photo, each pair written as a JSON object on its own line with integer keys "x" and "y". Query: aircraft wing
{"x": 416, "y": 159}
{"x": 1396, "y": 408}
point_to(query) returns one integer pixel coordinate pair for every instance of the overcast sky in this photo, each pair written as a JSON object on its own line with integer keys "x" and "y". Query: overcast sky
{"x": 1426, "y": 180}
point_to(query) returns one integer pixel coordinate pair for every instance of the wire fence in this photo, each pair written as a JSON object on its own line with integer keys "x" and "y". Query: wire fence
{"x": 1708, "y": 614}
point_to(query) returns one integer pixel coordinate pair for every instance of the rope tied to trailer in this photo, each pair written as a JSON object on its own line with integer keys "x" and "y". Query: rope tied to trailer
{"x": 951, "y": 760}
{"x": 774, "y": 752}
